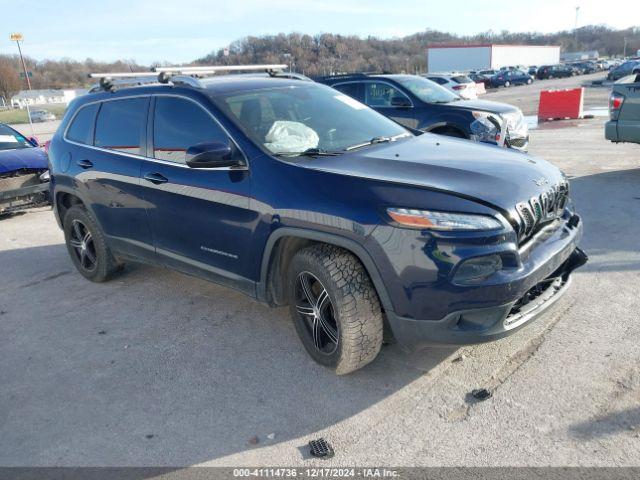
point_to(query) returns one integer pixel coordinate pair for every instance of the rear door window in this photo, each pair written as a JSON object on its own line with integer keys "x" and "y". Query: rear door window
{"x": 354, "y": 90}
{"x": 81, "y": 128}
{"x": 378, "y": 94}
{"x": 121, "y": 125}
{"x": 178, "y": 124}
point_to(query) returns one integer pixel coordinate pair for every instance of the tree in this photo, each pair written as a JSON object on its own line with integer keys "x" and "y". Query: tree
{"x": 9, "y": 80}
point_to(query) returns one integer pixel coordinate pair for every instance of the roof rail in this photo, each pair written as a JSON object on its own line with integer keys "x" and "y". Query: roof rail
{"x": 208, "y": 70}
{"x": 183, "y": 75}
{"x": 344, "y": 75}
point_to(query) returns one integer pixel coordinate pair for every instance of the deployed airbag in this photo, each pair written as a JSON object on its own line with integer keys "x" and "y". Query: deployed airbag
{"x": 290, "y": 137}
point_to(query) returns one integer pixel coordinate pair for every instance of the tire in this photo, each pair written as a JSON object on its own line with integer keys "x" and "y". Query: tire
{"x": 87, "y": 246}
{"x": 335, "y": 308}
{"x": 507, "y": 84}
{"x": 529, "y": 81}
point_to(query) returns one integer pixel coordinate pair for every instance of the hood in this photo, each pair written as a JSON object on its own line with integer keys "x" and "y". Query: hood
{"x": 484, "y": 105}
{"x": 488, "y": 174}
{"x": 11, "y": 160}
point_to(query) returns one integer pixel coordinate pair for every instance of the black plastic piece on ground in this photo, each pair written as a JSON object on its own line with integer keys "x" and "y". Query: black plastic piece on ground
{"x": 320, "y": 448}
{"x": 481, "y": 394}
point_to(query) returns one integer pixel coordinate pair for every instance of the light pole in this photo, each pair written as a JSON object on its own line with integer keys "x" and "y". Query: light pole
{"x": 575, "y": 28}
{"x": 290, "y": 57}
{"x": 624, "y": 50}
{"x": 17, "y": 37}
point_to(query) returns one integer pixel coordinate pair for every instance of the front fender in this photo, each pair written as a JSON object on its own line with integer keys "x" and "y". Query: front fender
{"x": 348, "y": 244}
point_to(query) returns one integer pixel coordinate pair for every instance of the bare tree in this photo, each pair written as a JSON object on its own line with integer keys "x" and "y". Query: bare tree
{"x": 9, "y": 80}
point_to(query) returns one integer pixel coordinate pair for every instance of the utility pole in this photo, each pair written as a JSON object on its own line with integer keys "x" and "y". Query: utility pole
{"x": 17, "y": 37}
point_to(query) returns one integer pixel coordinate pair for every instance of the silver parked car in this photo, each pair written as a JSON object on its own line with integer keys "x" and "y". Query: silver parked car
{"x": 41, "y": 116}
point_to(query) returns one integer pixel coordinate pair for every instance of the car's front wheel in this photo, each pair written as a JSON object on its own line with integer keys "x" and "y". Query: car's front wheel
{"x": 335, "y": 308}
{"x": 507, "y": 84}
{"x": 529, "y": 81}
{"x": 87, "y": 246}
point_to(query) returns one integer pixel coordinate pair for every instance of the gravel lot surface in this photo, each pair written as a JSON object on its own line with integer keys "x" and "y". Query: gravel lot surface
{"x": 155, "y": 368}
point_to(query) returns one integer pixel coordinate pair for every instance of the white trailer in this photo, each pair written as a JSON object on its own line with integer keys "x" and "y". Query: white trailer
{"x": 460, "y": 58}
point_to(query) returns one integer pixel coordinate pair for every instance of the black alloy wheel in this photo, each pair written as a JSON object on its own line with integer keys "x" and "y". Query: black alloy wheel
{"x": 316, "y": 312}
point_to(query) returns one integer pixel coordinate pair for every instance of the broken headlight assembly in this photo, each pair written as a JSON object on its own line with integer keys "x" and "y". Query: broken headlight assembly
{"x": 487, "y": 128}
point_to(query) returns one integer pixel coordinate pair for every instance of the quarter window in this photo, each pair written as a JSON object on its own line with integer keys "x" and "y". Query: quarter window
{"x": 179, "y": 124}
{"x": 121, "y": 124}
{"x": 81, "y": 129}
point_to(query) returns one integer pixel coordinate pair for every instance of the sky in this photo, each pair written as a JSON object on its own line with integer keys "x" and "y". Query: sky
{"x": 179, "y": 31}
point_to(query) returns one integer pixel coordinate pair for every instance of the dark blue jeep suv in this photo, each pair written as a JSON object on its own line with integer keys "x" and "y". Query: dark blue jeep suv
{"x": 298, "y": 195}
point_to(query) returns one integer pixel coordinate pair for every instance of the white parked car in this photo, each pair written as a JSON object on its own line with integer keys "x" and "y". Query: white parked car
{"x": 458, "y": 84}
{"x": 42, "y": 116}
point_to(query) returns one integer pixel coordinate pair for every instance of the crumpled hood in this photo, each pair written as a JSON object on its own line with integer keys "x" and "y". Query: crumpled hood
{"x": 484, "y": 105}
{"x": 486, "y": 173}
{"x": 12, "y": 160}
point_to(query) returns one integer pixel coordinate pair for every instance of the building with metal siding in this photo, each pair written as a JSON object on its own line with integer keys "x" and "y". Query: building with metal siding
{"x": 461, "y": 58}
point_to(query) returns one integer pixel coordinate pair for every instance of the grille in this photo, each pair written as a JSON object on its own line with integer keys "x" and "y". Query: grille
{"x": 518, "y": 142}
{"x": 538, "y": 211}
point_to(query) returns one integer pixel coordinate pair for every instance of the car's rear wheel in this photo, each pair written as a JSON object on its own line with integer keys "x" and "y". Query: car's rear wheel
{"x": 87, "y": 246}
{"x": 507, "y": 84}
{"x": 335, "y": 308}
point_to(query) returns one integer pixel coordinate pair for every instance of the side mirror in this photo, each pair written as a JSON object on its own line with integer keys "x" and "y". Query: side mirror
{"x": 400, "y": 102}
{"x": 212, "y": 155}
{"x": 34, "y": 141}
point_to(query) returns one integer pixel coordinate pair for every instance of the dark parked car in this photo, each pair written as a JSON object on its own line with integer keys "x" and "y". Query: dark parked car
{"x": 555, "y": 71}
{"x": 629, "y": 67}
{"x": 506, "y": 78}
{"x": 421, "y": 104}
{"x": 300, "y": 196}
{"x": 532, "y": 70}
{"x": 584, "y": 67}
{"x": 23, "y": 171}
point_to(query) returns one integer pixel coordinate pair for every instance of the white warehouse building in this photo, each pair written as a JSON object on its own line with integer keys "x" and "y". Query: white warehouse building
{"x": 460, "y": 58}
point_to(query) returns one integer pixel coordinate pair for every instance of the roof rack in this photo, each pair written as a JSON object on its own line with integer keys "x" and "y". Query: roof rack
{"x": 176, "y": 75}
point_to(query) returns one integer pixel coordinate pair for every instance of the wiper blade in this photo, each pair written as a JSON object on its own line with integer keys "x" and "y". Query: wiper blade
{"x": 375, "y": 140}
{"x": 309, "y": 152}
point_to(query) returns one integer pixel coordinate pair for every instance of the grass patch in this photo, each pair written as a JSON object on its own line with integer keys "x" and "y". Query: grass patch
{"x": 20, "y": 116}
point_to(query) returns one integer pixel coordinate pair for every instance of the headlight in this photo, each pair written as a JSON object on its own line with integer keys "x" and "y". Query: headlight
{"x": 45, "y": 176}
{"x": 486, "y": 127}
{"x": 443, "y": 220}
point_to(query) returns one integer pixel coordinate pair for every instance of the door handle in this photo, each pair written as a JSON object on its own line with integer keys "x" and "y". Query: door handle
{"x": 156, "y": 178}
{"x": 85, "y": 163}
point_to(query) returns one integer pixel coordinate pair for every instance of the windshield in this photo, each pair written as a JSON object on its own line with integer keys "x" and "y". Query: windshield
{"x": 293, "y": 120}
{"x": 426, "y": 90}
{"x": 11, "y": 140}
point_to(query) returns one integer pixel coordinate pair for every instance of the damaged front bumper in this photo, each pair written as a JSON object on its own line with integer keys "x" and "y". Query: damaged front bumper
{"x": 486, "y": 324}
{"x": 23, "y": 191}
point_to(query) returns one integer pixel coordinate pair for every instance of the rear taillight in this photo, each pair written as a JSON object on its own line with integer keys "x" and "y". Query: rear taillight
{"x": 615, "y": 104}
{"x": 459, "y": 87}
{"x": 46, "y": 146}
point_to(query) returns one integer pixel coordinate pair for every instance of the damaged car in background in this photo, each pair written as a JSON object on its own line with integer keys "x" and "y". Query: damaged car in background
{"x": 24, "y": 175}
{"x": 421, "y": 104}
